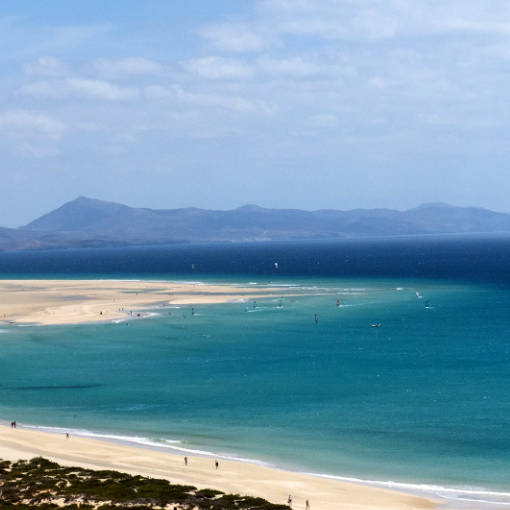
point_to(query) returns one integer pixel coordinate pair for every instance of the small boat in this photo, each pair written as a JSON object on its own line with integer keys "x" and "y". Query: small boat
{"x": 376, "y": 325}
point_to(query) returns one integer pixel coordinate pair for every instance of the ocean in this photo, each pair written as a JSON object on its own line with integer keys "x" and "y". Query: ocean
{"x": 421, "y": 402}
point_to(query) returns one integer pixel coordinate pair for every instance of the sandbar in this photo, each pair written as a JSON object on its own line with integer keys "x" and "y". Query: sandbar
{"x": 49, "y": 302}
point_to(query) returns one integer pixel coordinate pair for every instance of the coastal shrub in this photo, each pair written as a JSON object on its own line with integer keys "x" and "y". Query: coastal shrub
{"x": 208, "y": 493}
{"x": 39, "y": 483}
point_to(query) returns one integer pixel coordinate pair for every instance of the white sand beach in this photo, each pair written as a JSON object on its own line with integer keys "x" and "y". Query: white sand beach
{"x": 233, "y": 477}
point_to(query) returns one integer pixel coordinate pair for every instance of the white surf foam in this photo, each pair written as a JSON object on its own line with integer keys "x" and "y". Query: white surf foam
{"x": 455, "y": 494}
{"x": 113, "y": 437}
{"x": 166, "y": 444}
{"x": 478, "y": 495}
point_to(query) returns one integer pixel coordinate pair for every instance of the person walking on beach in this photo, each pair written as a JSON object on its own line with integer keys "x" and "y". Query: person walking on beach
{"x": 67, "y": 435}
{"x": 289, "y": 500}
{"x": 307, "y": 505}
{"x": 185, "y": 461}
{"x": 216, "y": 463}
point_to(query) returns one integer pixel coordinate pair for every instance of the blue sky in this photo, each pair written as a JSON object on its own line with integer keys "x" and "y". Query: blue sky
{"x": 284, "y": 103}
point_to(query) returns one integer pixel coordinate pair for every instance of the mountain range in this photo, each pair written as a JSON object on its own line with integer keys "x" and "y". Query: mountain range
{"x": 87, "y": 222}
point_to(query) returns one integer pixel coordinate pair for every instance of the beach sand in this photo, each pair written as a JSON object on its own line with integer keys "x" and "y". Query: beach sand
{"x": 80, "y": 301}
{"x": 233, "y": 477}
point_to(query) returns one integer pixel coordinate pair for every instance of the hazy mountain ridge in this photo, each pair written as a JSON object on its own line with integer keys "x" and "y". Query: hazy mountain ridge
{"x": 90, "y": 222}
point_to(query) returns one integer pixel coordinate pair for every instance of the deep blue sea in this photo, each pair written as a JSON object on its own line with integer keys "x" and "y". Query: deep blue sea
{"x": 424, "y": 399}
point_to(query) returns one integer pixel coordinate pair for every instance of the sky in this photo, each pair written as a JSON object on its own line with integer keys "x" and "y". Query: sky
{"x": 305, "y": 104}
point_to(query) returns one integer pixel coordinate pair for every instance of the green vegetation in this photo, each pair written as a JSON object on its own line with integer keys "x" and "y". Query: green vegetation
{"x": 44, "y": 485}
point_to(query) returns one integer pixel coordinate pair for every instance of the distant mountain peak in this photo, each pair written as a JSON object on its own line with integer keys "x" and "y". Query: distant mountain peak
{"x": 250, "y": 207}
{"x": 429, "y": 205}
{"x": 82, "y": 213}
{"x": 83, "y": 200}
{"x": 90, "y": 220}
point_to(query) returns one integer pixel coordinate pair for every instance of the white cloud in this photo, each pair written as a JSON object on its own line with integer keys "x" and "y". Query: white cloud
{"x": 293, "y": 66}
{"x": 46, "y": 66}
{"x": 157, "y": 92}
{"x": 324, "y": 120}
{"x": 207, "y": 99}
{"x": 80, "y": 87}
{"x": 377, "y": 82}
{"x": 378, "y": 19}
{"x": 72, "y": 36}
{"x": 43, "y": 89}
{"x": 102, "y": 89}
{"x": 34, "y": 122}
{"x": 128, "y": 66}
{"x": 234, "y": 37}
{"x": 219, "y": 67}
{"x": 227, "y": 102}
{"x": 38, "y": 150}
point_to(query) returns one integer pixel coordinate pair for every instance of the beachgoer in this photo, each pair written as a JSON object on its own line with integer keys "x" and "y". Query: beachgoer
{"x": 216, "y": 463}
{"x": 192, "y": 311}
{"x": 307, "y": 505}
{"x": 67, "y": 435}
{"x": 316, "y": 319}
{"x": 337, "y": 302}
{"x": 289, "y": 500}
{"x": 185, "y": 461}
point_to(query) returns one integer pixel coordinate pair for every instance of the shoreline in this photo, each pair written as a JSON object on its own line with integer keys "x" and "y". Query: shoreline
{"x": 428, "y": 495}
{"x": 56, "y": 302}
{"x": 236, "y": 476}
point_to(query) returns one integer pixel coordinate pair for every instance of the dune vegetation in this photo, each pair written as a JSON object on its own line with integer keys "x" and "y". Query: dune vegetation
{"x": 45, "y": 485}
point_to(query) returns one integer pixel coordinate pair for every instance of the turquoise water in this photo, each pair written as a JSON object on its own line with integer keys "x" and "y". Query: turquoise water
{"x": 425, "y": 398}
